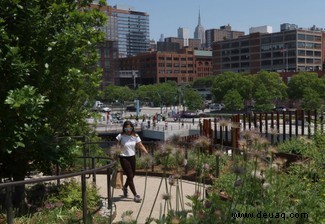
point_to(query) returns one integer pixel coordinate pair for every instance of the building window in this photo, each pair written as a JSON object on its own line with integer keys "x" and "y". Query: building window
{"x": 266, "y": 47}
{"x": 235, "y": 51}
{"x": 245, "y": 57}
{"x": 266, "y": 55}
{"x": 318, "y": 38}
{"x": 265, "y": 63}
{"x": 310, "y": 37}
{"x": 317, "y": 46}
{"x": 301, "y": 52}
{"x": 318, "y": 53}
{"x": 244, "y": 50}
{"x": 290, "y": 37}
{"x": 244, "y": 43}
{"x": 301, "y": 44}
{"x": 301, "y": 36}
{"x": 266, "y": 40}
{"x": 301, "y": 60}
{"x": 244, "y": 64}
{"x": 277, "y": 39}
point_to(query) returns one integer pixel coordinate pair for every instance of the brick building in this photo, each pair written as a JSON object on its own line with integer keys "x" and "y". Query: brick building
{"x": 224, "y": 33}
{"x": 285, "y": 51}
{"x": 157, "y": 67}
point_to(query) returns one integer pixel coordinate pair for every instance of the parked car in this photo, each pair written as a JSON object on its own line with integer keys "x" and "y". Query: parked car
{"x": 216, "y": 106}
{"x": 280, "y": 109}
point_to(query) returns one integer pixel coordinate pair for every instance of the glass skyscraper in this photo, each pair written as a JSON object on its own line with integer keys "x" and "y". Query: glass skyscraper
{"x": 126, "y": 34}
{"x": 129, "y": 28}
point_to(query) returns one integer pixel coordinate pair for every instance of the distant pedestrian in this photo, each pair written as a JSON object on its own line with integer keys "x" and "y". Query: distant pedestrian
{"x": 128, "y": 139}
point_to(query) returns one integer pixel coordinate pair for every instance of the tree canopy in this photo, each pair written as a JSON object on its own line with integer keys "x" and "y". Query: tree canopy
{"x": 48, "y": 70}
{"x": 231, "y": 81}
{"x": 309, "y": 89}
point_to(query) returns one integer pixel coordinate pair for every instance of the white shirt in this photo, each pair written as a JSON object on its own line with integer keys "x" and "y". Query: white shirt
{"x": 128, "y": 143}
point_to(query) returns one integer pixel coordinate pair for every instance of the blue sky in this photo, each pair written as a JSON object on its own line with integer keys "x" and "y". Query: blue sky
{"x": 166, "y": 16}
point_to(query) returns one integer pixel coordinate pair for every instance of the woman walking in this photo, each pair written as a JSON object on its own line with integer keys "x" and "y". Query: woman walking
{"x": 129, "y": 140}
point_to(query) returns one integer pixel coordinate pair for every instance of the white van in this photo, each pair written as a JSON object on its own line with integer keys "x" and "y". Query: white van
{"x": 216, "y": 106}
{"x": 98, "y": 105}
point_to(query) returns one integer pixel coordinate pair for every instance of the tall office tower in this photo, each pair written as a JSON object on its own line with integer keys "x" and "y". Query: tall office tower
{"x": 126, "y": 34}
{"x": 199, "y": 32}
{"x": 183, "y": 33}
{"x": 161, "y": 39}
{"x": 129, "y": 28}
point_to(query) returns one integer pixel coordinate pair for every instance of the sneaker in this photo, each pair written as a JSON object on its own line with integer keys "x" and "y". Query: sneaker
{"x": 125, "y": 192}
{"x": 137, "y": 199}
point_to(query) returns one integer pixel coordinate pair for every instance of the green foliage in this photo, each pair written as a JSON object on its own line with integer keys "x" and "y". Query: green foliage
{"x": 311, "y": 100}
{"x": 299, "y": 146}
{"x": 273, "y": 83}
{"x": 252, "y": 184}
{"x": 203, "y": 82}
{"x": 159, "y": 94}
{"x": 233, "y": 100}
{"x": 114, "y": 93}
{"x": 263, "y": 100}
{"x": 61, "y": 204}
{"x": 268, "y": 87}
{"x": 48, "y": 69}
{"x": 69, "y": 194}
{"x": 231, "y": 81}
{"x": 192, "y": 99}
{"x": 302, "y": 82}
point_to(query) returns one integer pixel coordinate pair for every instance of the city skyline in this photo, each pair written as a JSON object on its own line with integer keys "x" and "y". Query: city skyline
{"x": 167, "y": 16}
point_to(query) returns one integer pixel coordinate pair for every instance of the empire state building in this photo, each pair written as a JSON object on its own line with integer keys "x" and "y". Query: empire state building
{"x": 199, "y": 32}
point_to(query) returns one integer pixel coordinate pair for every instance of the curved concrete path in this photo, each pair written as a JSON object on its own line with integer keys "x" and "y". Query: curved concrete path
{"x": 127, "y": 204}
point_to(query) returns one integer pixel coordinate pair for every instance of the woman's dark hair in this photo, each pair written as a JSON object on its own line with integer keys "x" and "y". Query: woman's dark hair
{"x": 126, "y": 123}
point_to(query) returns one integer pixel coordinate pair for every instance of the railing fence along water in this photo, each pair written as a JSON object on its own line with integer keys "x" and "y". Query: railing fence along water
{"x": 275, "y": 126}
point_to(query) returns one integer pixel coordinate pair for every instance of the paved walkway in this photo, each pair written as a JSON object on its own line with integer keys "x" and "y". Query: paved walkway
{"x": 152, "y": 187}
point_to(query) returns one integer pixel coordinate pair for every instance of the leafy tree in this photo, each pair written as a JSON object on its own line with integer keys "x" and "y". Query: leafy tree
{"x": 311, "y": 100}
{"x": 159, "y": 94}
{"x": 48, "y": 69}
{"x": 231, "y": 81}
{"x": 192, "y": 99}
{"x": 119, "y": 93}
{"x": 304, "y": 80}
{"x": 233, "y": 100}
{"x": 272, "y": 82}
{"x": 263, "y": 100}
{"x": 203, "y": 82}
